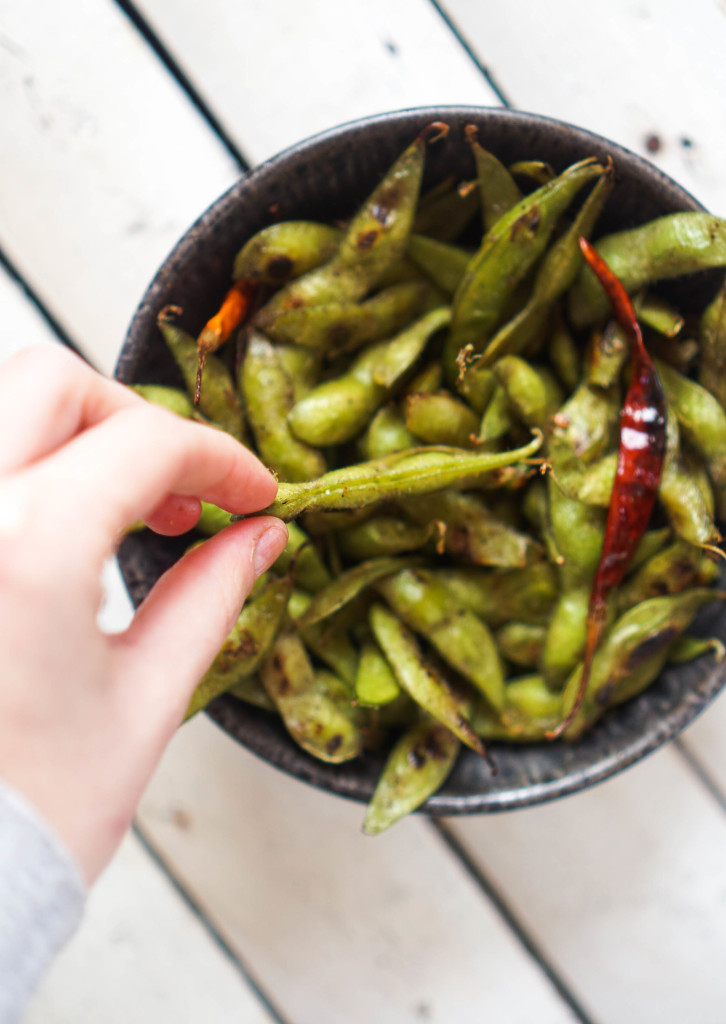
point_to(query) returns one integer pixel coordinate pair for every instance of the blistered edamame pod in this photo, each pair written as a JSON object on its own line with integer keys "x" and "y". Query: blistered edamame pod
{"x": 712, "y": 338}
{"x": 173, "y": 399}
{"x": 445, "y": 215}
{"x": 670, "y": 571}
{"x": 373, "y": 242}
{"x": 281, "y": 252}
{"x": 268, "y": 396}
{"x": 521, "y": 643}
{"x": 249, "y": 641}
{"x": 681, "y": 494}
{"x": 598, "y": 480}
{"x": 437, "y": 417}
{"x": 669, "y": 246}
{"x": 386, "y": 434}
{"x": 529, "y": 698}
{"x": 445, "y": 264}
{"x": 416, "y": 768}
{"x": 501, "y": 596}
{"x": 578, "y": 531}
{"x": 419, "y": 679}
{"x": 309, "y": 570}
{"x": 564, "y": 643}
{"x": 348, "y": 585}
{"x": 651, "y": 543}
{"x": 462, "y": 639}
{"x": 688, "y": 648}
{"x": 657, "y": 314}
{"x": 427, "y": 379}
{"x": 564, "y": 354}
{"x": 498, "y": 418}
{"x": 251, "y": 691}
{"x": 588, "y": 423}
{"x": 375, "y": 683}
{"x": 557, "y": 272}
{"x": 473, "y": 533}
{"x": 415, "y": 471}
{"x": 632, "y": 654}
{"x": 320, "y": 721}
{"x": 701, "y": 417}
{"x": 218, "y": 401}
{"x": 607, "y": 354}
{"x": 328, "y": 640}
{"x": 536, "y": 170}
{"x": 345, "y": 326}
{"x": 382, "y": 535}
{"x": 506, "y": 254}
{"x": 301, "y": 366}
{"x": 497, "y": 188}
{"x": 533, "y": 392}
{"x": 338, "y": 409}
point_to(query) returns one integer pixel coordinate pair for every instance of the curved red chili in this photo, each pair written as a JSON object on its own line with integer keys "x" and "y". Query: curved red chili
{"x": 640, "y": 463}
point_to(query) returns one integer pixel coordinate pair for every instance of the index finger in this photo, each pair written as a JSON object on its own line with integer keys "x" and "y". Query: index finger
{"x": 120, "y": 470}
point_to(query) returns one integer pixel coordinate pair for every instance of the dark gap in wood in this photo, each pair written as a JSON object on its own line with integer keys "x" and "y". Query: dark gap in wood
{"x": 216, "y": 937}
{"x": 702, "y": 774}
{"x": 32, "y": 296}
{"x": 471, "y": 53}
{"x": 174, "y": 68}
{"x": 510, "y": 918}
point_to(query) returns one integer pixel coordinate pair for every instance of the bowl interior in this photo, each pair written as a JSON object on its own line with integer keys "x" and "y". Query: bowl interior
{"x": 324, "y": 179}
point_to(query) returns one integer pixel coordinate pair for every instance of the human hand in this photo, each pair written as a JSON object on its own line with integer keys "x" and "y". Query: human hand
{"x": 84, "y": 716}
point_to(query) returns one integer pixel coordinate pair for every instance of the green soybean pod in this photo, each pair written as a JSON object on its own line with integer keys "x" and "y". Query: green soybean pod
{"x": 249, "y": 641}
{"x": 462, "y": 640}
{"x": 173, "y": 399}
{"x": 500, "y": 596}
{"x": 316, "y": 711}
{"x": 281, "y": 252}
{"x": 268, "y": 396}
{"x": 564, "y": 642}
{"x": 677, "y": 567}
{"x": 416, "y": 768}
{"x": 632, "y": 654}
{"x": 445, "y": 264}
{"x": 497, "y": 188}
{"x": 533, "y": 392}
{"x": 375, "y": 683}
{"x": 329, "y": 640}
{"x": 300, "y": 554}
{"x": 712, "y": 339}
{"x": 218, "y": 401}
{"x": 521, "y": 643}
{"x": 386, "y": 434}
{"x": 688, "y": 648}
{"x": 347, "y": 586}
{"x": 669, "y": 246}
{"x": 419, "y": 679}
{"x": 438, "y": 417}
{"x": 382, "y": 535}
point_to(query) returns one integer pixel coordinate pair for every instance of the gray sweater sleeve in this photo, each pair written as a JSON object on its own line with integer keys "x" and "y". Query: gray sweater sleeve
{"x": 41, "y": 901}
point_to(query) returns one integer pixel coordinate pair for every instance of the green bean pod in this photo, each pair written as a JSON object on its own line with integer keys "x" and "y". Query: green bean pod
{"x": 416, "y": 768}
{"x": 438, "y": 417}
{"x": 349, "y": 585}
{"x": 382, "y": 535}
{"x": 676, "y": 568}
{"x": 497, "y": 188}
{"x": 218, "y": 401}
{"x": 669, "y": 246}
{"x": 315, "y": 707}
{"x": 633, "y": 653}
{"x": 444, "y": 216}
{"x": 419, "y": 679}
{"x": 521, "y": 643}
{"x": 249, "y": 641}
{"x": 415, "y": 471}
{"x": 462, "y": 639}
{"x": 268, "y": 396}
{"x": 375, "y": 683}
{"x": 500, "y": 596}
{"x": 340, "y": 408}
{"x": 508, "y": 251}
{"x": 533, "y": 392}
{"x": 281, "y": 252}
{"x": 385, "y": 434}
{"x": 328, "y": 640}
{"x": 445, "y": 264}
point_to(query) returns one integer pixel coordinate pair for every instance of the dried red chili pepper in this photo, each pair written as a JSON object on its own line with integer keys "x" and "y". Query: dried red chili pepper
{"x": 233, "y": 311}
{"x": 640, "y": 463}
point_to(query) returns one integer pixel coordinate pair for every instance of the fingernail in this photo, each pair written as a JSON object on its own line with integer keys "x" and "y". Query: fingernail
{"x": 268, "y": 547}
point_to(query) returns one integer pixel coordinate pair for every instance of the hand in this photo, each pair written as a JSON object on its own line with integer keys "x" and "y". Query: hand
{"x": 85, "y": 717}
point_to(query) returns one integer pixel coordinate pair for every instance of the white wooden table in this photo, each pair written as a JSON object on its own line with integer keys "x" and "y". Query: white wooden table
{"x": 243, "y": 895}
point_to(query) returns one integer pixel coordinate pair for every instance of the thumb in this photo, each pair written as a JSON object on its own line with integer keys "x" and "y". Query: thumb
{"x": 184, "y": 621}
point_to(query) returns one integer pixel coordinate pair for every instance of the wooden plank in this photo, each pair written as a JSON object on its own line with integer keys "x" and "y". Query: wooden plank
{"x": 339, "y": 926}
{"x": 277, "y": 72}
{"x": 624, "y": 886}
{"x": 647, "y": 74}
{"x": 105, "y": 163}
{"x": 142, "y": 955}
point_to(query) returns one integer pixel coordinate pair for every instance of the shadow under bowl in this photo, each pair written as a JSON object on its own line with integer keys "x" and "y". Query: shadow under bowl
{"x": 324, "y": 178}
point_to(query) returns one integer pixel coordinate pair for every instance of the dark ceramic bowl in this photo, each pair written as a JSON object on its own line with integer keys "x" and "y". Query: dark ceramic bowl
{"x": 324, "y": 178}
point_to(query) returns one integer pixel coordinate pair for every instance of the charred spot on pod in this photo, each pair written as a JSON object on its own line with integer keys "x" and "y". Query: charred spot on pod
{"x": 435, "y": 751}
{"x": 653, "y": 645}
{"x": 382, "y": 212}
{"x": 280, "y": 267}
{"x": 367, "y": 239}
{"x": 417, "y": 756}
{"x": 529, "y": 221}
{"x": 245, "y": 647}
{"x": 334, "y": 743}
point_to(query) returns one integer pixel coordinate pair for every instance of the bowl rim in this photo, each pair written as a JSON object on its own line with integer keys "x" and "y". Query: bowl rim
{"x": 343, "y": 779}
